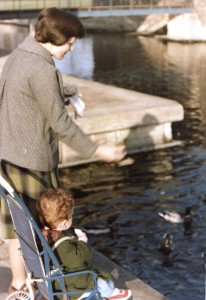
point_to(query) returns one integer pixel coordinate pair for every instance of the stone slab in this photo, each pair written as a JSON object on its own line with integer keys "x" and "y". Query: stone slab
{"x": 192, "y": 29}
{"x": 120, "y": 116}
{"x": 119, "y": 108}
{"x": 124, "y": 279}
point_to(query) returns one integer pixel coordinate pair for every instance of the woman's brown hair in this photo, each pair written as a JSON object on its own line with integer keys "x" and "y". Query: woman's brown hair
{"x": 57, "y": 26}
{"x": 55, "y": 206}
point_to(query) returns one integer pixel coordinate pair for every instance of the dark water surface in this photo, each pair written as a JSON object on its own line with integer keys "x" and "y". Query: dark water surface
{"x": 126, "y": 200}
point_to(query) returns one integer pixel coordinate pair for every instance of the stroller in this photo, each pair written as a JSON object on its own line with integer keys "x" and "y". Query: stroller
{"x": 42, "y": 266}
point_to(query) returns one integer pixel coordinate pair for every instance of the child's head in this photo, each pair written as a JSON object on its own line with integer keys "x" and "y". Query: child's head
{"x": 55, "y": 209}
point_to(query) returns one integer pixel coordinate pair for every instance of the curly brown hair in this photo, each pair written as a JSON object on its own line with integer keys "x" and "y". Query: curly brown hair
{"x": 55, "y": 206}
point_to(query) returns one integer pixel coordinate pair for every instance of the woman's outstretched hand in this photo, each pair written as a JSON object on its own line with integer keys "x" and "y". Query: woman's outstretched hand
{"x": 110, "y": 153}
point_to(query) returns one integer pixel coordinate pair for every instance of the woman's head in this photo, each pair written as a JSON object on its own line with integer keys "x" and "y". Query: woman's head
{"x": 57, "y": 27}
{"x": 54, "y": 207}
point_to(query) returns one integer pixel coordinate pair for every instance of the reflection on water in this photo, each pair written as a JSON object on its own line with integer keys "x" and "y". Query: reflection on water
{"x": 83, "y": 54}
{"x": 127, "y": 199}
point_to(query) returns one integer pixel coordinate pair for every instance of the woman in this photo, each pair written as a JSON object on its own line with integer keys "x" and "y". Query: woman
{"x": 33, "y": 119}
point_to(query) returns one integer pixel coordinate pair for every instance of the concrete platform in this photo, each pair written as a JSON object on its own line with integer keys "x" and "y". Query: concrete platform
{"x": 123, "y": 279}
{"x": 120, "y": 116}
{"x": 192, "y": 29}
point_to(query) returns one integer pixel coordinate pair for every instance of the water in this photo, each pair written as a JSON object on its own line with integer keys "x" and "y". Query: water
{"x": 126, "y": 200}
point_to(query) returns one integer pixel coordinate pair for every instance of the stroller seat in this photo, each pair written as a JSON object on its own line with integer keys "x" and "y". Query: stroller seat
{"x": 41, "y": 264}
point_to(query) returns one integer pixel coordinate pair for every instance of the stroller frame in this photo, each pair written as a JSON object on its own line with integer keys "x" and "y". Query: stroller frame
{"x": 42, "y": 266}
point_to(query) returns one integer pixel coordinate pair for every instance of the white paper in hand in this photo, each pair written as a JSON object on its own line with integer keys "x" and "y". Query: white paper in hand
{"x": 77, "y": 104}
{"x": 78, "y": 231}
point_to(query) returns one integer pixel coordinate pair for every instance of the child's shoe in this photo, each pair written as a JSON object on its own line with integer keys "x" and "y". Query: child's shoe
{"x": 120, "y": 295}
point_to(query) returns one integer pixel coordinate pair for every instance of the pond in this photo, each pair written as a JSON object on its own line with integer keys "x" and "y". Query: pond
{"x": 126, "y": 200}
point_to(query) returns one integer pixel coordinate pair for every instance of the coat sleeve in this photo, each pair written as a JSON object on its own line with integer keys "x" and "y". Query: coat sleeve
{"x": 46, "y": 89}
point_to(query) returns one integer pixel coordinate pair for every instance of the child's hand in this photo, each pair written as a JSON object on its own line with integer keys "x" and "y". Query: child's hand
{"x": 81, "y": 235}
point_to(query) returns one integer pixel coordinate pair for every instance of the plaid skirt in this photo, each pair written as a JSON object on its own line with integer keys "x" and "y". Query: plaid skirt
{"x": 29, "y": 184}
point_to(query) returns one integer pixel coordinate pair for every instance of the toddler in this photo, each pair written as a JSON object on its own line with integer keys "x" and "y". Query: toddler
{"x": 55, "y": 209}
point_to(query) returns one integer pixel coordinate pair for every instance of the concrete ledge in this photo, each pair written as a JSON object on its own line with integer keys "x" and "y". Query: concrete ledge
{"x": 121, "y": 116}
{"x": 192, "y": 29}
{"x": 124, "y": 279}
{"x": 191, "y": 26}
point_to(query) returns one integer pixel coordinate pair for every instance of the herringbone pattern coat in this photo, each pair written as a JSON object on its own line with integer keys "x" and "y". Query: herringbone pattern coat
{"x": 32, "y": 114}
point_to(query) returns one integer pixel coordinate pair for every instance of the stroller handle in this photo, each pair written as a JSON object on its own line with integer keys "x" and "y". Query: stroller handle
{"x": 6, "y": 185}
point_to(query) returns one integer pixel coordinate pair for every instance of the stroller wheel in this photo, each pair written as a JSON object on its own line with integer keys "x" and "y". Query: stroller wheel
{"x": 18, "y": 295}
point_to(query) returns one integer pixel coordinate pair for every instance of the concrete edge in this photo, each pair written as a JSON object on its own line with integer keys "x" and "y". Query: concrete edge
{"x": 124, "y": 279}
{"x": 131, "y": 152}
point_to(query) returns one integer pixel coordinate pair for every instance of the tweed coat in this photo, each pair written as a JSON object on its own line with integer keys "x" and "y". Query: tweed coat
{"x": 33, "y": 117}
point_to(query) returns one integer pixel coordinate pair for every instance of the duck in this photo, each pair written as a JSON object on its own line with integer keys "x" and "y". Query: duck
{"x": 175, "y": 217}
{"x": 96, "y": 229}
{"x": 167, "y": 244}
{"x": 171, "y": 216}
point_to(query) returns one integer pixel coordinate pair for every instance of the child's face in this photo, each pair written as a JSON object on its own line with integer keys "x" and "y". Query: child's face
{"x": 66, "y": 224}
